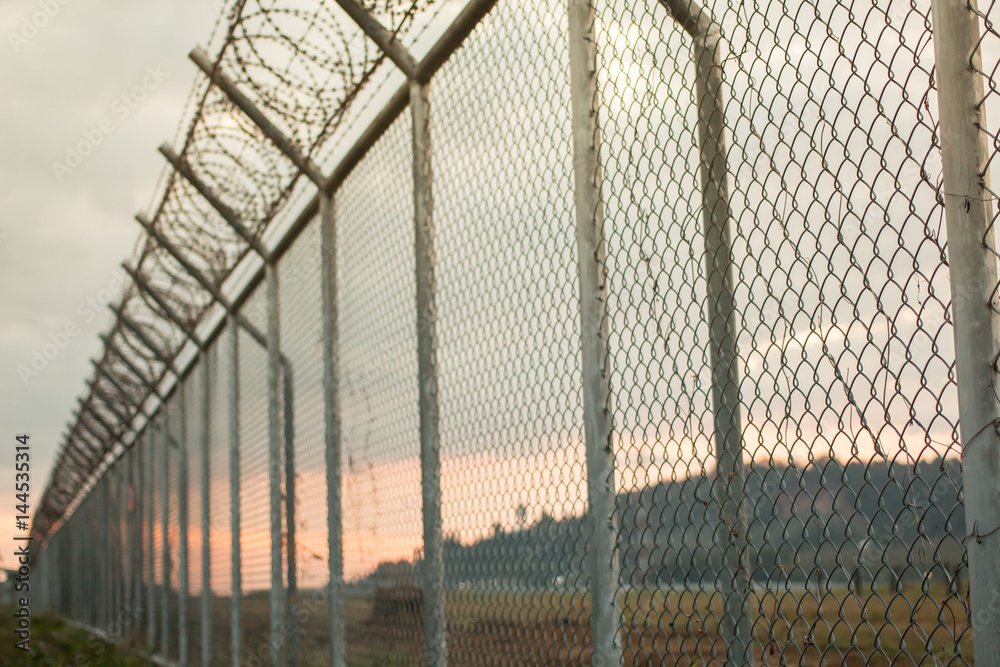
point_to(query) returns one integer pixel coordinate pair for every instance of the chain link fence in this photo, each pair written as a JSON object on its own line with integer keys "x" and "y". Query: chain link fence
{"x": 587, "y": 332}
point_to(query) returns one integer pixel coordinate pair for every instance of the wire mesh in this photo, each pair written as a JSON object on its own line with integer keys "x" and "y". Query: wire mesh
{"x": 143, "y": 545}
{"x": 983, "y": 65}
{"x": 193, "y": 427}
{"x": 172, "y": 581}
{"x": 117, "y": 568}
{"x": 513, "y": 480}
{"x": 847, "y": 394}
{"x": 220, "y": 525}
{"x": 133, "y": 503}
{"x": 301, "y": 344}
{"x": 255, "y": 522}
{"x": 380, "y": 459}
{"x": 158, "y": 463}
{"x": 149, "y": 540}
{"x": 780, "y": 359}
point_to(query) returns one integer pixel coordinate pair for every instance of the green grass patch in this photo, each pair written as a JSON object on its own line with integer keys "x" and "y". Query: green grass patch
{"x": 56, "y": 644}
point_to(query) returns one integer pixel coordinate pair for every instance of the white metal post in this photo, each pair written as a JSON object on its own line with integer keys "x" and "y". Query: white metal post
{"x": 730, "y": 478}
{"x": 76, "y": 556}
{"x": 165, "y": 533}
{"x": 150, "y": 457}
{"x": 331, "y": 415}
{"x": 128, "y": 604}
{"x": 970, "y": 212}
{"x": 602, "y": 520}
{"x": 291, "y": 592}
{"x": 87, "y": 564}
{"x": 182, "y": 521}
{"x": 106, "y": 593}
{"x": 206, "y": 546}
{"x": 274, "y": 458}
{"x": 235, "y": 617}
{"x": 92, "y": 601}
{"x": 430, "y": 444}
{"x": 116, "y": 559}
{"x": 141, "y": 610}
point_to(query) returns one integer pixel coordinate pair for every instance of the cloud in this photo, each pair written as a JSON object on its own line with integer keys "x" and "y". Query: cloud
{"x": 60, "y": 242}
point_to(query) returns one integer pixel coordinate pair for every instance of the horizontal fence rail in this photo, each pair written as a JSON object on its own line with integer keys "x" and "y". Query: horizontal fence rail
{"x": 566, "y": 332}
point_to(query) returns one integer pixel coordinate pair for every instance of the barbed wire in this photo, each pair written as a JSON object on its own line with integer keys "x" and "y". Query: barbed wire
{"x": 836, "y": 530}
{"x": 304, "y": 66}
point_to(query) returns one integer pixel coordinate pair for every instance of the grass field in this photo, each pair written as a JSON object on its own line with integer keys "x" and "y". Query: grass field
{"x": 793, "y": 626}
{"x": 671, "y": 627}
{"x": 56, "y": 644}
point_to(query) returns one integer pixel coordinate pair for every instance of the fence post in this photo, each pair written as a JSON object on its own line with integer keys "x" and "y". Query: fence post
{"x": 127, "y": 516}
{"x": 182, "y": 524}
{"x": 103, "y": 549}
{"x": 99, "y": 599}
{"x": 291, "y": 593}
{"x": 95, "y": 600}
{"x": 430, "y": 445}
{"x": 106, "y": 593}
{"x": 164, "y": 535}
{"x": 121, "y": 538}
{"x": 206, "y": 546}
{"x": 66, "y": 577}
{"x": 139, "y": 494}
{"x": 73, "y": 555}
{"x": 274, "y": 456}
{"x": 65, "y": 572}
{"x": 56, "y": 577}
{"x": 730, "y": 477}
{"x": 973, "y": 264}
{"x": 601, "y": 516}
{"x": 235, "y": 617}
{"x": 82, "y": 563}
{"x": 116, "y": 542}
{"x": 86, "y": 592}
{"x": 88, "y": 600}
{"x": 111, "y": 515}
{"x": 121, "y": 544}
{"x": 331, "y": 415}
{"x": 150, "y": 464}
{"x": 73, "y": 558}
{"x": 109, "y": 545}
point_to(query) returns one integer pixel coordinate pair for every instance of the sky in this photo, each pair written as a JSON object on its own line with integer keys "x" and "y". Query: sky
{"x": 106, "y": 73}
